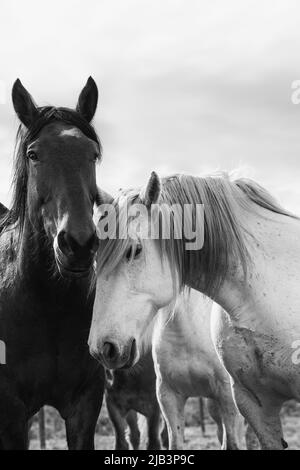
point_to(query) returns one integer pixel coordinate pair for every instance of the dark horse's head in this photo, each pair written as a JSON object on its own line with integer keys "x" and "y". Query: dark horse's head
{"x": 55, "y": 176}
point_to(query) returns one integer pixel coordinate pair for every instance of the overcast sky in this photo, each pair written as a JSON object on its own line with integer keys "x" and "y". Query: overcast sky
{"x": 185, "y": 85}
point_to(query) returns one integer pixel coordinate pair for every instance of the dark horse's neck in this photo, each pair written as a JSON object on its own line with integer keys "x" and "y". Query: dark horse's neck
{"x": 34, "y": 254}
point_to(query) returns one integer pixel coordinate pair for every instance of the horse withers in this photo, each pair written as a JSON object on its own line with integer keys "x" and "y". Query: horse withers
{"x": 47, "y": 248}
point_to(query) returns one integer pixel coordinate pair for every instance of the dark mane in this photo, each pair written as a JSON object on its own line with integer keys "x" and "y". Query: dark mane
{"x": 47, "y": 115}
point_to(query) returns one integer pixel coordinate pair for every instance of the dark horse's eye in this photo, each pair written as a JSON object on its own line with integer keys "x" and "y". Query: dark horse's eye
{"x": 133, "y": 254}
{"x": 32, "y": 156}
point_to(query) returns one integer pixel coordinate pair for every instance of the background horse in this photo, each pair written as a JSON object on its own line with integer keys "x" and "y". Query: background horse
{"x": 249, "y": 264}
{"x": 134, "y": 390}
{"x": 187, "y": 365}
{"x": 47, "y": 249}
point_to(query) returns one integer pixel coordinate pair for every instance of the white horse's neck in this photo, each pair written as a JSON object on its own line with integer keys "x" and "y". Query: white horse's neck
{"x": 274, "y": 270}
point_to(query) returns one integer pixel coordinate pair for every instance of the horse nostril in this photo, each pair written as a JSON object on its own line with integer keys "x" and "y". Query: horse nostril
{"x": 110, "y": 352}
{"x": 69, "y": 245}
{"x": 133, "y": 349}
{"x": 72, "y": 243}
{"x": 63, "y": 243}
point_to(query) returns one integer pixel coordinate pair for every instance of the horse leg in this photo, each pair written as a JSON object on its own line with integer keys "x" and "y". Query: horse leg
{"x": 13, "y": 420}
{"x": 82, "y": 419}
{"x": 233, "y": 421}
{"x": 202, "y": 415}
{"x": 15, "y": 436}
{"x": 251, "y": 439}
{"x": 154, "y": 421}
{"x": 164, "y": 435}
{"x": 214, "y": 412}
{"x": 263, "y": 417}
{"x": 134, "y": 432}
{"x": 119, "y": 424}
{"x": 172, "y": 407}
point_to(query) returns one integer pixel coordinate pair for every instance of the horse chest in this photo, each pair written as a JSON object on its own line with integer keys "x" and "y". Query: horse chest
{"x": 46, "y": 341}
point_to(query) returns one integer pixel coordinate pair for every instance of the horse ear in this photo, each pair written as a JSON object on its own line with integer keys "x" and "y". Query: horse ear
{"x": 152, "y": 192}
{"x": 103, "y": 198}
{"x": 88, "y": 100}
{"x": 23, "y": 103}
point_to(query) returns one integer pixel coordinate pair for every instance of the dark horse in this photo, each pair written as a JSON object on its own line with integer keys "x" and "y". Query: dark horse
{"x": 47, "y": 247}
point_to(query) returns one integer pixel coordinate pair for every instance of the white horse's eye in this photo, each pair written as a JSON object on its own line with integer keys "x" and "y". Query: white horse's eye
{"x": 133, "y": 252}
{"x": 138, "y": 251}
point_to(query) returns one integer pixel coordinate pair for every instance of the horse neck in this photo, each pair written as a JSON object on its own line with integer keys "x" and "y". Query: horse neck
{"x": 35, "y": 256}
{"x": 270, "y": 240}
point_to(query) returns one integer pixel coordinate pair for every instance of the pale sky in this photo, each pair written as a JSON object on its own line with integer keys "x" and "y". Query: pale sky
{"x": 185, "y": 85}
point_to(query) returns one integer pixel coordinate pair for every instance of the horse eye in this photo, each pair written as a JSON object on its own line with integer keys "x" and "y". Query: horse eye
{"x": 138, "y": 251}
{"x": 130, "y": 255}
{"x": 32, "y": 156}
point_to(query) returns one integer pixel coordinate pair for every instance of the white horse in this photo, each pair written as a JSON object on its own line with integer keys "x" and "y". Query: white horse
{"x": 249, "y": 264}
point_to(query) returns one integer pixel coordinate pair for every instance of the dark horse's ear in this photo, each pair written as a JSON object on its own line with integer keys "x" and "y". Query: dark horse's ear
{"x": 23, "y": 103}
{"x": 152, "y": 192}
{"x": 88, "y": 99}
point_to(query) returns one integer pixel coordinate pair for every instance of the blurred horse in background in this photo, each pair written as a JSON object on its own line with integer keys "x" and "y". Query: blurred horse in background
{"x": 47, "y": 248}
{"x": 130, "y": 391}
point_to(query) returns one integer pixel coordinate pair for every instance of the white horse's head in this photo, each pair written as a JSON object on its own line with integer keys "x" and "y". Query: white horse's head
{"x": 134, "y": 281}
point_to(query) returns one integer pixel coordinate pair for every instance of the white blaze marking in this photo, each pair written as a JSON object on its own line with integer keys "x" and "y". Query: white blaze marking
{"x": 74, "y": 132}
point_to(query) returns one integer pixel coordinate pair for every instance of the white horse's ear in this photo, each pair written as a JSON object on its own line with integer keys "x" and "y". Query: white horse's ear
{"x": 88, "y": 100}
{"x": 24, "y": 105}
{"x": 152, "y": 192}
{"x": 103, "y": 198}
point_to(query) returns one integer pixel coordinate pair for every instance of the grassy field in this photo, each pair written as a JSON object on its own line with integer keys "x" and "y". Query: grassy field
{"x": 194, "y": 438}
